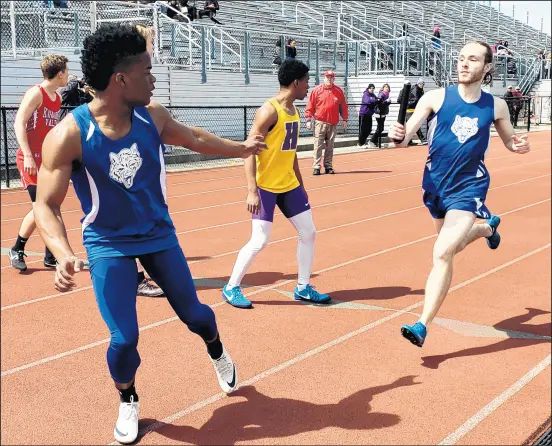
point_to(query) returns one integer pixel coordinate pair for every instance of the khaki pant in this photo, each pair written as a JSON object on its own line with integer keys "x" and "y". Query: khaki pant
{"x": 324, "y": 137}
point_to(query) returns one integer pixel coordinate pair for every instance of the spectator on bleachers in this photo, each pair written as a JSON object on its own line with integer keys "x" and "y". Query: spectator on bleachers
{"x": 291, "y": 50}
{"x": 210, "y": 10}
{"x": 367, "y": 107}
{"x": 381, "y": 111}
{"x": 415, "y": 95}
{"x": 181, "y": 6}
{"x": 436, "y": 39}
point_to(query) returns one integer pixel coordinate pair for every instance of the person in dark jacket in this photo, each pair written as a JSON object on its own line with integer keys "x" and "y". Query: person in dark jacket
{"x": 381, "y": 111}
{"x": 366, "y": 112}
{"x": 291, "y": 49}
{"x": 415, "y": 94}
{"x": 509, "y": 98}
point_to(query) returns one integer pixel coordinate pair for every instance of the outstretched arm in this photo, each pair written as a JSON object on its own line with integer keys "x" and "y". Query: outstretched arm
{"x": 505, "y": 130}
{"x": 61, "y": 147}
{"x": 194, "y": 138}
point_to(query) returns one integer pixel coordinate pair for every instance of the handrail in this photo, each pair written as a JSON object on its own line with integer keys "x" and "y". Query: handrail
{"x": 225, "y": 45}
{"x": 346, "y": 5}
{"x": 305, "y": 5}
{"x": 474, "y": 36}
{"x": 530, "y": 76}
{"x": 417, "y": 11}
{"x": 341, "y": 24}
{"x": 448, "y": 6}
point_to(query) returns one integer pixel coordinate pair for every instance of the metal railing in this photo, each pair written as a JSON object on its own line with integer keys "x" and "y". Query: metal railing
{"x": 300, "y": 8}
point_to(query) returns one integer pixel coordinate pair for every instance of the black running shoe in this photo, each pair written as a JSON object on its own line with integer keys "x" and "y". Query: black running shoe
{"x": 17, "y": 259}
{"x": 50, "y": 262}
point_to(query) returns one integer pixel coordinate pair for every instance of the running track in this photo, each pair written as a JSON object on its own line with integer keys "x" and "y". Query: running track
{"x": 339, "y": 374}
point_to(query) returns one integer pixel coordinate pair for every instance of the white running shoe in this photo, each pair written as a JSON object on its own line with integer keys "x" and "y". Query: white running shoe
{"x": 126, "y": 429}
{"x": 227, "y": 373}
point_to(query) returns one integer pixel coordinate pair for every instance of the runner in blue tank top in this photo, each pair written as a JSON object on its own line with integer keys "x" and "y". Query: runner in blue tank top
{"x": 113, "y": 151}
{"x": 456, "y": 181}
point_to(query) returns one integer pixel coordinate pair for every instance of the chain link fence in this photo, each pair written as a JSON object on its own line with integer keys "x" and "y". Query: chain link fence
{"x": 233, "y": 122}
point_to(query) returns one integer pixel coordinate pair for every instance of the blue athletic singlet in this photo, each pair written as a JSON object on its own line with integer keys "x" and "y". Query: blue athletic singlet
{"x": 122, "y": 189}
{"x": 458, "y": 136}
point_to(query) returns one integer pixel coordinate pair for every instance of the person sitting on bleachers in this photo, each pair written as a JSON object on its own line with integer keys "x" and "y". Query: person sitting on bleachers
{"x": 177, "y": 6}
{"x": 210, "y": 10}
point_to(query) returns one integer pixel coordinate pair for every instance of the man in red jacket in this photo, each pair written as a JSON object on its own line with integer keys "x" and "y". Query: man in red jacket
{"x": 326, "y": 102}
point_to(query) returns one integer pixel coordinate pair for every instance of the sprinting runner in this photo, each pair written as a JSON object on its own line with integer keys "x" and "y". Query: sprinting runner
{"x": 274, "y": 179}
{"x": 456, "y": 180}
{"x": 37, "y": 115}
{"x": 112, "y": 149}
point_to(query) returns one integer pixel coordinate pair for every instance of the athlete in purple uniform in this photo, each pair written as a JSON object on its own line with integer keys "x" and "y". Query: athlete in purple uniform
{"x": 456, "y": 181}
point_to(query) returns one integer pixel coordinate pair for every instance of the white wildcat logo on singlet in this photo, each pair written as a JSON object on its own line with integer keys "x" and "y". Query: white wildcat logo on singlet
{"x": 125, "y": 165}
{"x": 464, "y": 128}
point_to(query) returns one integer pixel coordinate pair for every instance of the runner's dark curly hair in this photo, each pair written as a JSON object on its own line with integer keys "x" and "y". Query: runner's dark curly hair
{"x": 113, "y": 47}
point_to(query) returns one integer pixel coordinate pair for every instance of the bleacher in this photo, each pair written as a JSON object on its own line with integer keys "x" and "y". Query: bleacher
{"x": 202, "y": 63}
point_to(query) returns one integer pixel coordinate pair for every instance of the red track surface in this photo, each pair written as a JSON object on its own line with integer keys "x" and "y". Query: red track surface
{"x": 340, "y": 374}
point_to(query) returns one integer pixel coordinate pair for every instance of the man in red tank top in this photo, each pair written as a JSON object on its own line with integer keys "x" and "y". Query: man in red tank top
{"x": 37, "y": 115}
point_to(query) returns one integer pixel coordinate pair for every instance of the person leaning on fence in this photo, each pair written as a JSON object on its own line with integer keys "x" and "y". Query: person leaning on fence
{"x": 517, "y": 104}
{"x": 326, "y": 102}
{"x": 509, "y": 98}
{"x": 277, "y": 55}
{"x": 415, "y": 95}
{"x": 291, "y": 50}
{"x": 381, "y": 111}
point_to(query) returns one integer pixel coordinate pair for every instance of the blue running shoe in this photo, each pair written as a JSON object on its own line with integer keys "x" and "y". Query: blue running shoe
{"x": 309, "y": 294}
{"x": 235, "y": 297}
{"x": 494, "y": 240}
{"x": 415, "y": 333}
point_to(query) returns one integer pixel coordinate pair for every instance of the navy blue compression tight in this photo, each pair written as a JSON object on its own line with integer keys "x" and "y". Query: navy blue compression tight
{"x": 115, "y": 286}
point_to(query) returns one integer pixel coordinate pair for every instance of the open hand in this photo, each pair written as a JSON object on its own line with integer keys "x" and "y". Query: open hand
{"x": 29, "y": 165}
{"x": 253, "y": 202}
{"x": 65, "y": 270}
{"x": 520, "y": 144}
{"x": 253, "y": 146}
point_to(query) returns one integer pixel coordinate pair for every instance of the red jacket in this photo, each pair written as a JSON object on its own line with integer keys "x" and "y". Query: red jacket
{"x": 326, "y": 104}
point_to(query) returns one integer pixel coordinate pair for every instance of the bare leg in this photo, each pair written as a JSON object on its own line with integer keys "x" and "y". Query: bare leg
{"x": 453, "y": 232}
{"x": 477, "y": 231}
{"x": 28, "y": 225}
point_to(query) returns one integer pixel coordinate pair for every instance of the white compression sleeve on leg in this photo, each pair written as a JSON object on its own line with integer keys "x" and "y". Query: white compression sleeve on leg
{"x": 260, "y": 233}
{"x": 305, "y": 248}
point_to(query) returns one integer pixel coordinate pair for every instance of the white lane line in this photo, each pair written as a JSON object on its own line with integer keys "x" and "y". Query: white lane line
{"x": 284, "y": 365}
{"x": 483, "y": 413}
